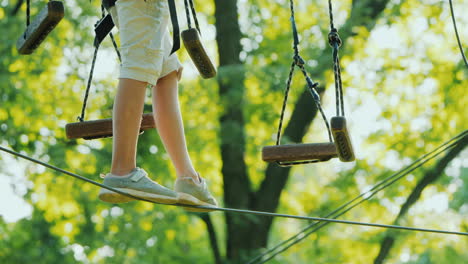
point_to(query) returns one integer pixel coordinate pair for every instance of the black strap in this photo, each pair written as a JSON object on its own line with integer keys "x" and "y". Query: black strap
{"x": 190, "y": 7}
{"x": 108, "y": 3}
{"x": 102, "y": 29}
{"x": 175, "y": 26}
{"x": 28, "y": 12}
{"x": 104, "y": 26}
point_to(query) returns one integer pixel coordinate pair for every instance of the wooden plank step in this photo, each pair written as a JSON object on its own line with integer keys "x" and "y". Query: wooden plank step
{"x": 40, "y": 27}
{"x": 197, "y": 52}
{"x": 101, "y": 128}
{"x": 299, "y": 152}
{"x": 342, "y": 139}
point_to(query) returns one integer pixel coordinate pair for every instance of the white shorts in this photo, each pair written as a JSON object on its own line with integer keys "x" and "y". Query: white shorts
{"x": 144, "y": 40}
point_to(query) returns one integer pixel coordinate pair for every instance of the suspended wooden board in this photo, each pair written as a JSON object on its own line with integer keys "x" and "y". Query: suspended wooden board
{"x": 40, "y": 27}
{"x": 198, "y": 54}
{"x": 101, "y": 128}
{"x": 299, "y": 152}
{"x": 342, "y": 139}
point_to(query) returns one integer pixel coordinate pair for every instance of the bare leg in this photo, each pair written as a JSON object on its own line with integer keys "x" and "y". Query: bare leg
{"x": 127, "y": 114}
{"x": 169, "y": 124}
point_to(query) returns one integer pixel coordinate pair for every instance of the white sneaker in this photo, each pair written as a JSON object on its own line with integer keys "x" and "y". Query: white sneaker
{"x": 137, "y": 184}
{"x": 194, "y": 192}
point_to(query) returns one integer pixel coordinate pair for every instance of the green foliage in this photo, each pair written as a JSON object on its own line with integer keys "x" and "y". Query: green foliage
{"x": 30, "y": 240}
{"x": 404, "y": 91}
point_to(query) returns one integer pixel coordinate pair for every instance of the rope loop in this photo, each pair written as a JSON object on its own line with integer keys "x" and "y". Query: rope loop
{"x": 313, "y": 85}
{"x": 298, "y": 60}
{"x": 334, "y": 39}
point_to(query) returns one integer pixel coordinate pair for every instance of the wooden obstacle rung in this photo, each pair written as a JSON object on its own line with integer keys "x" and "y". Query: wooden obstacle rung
{"x": 40, "y": 27}
{"x": 299, "y": 152}
{"x": 101, "y": 128}
{"x": 197, "y": 53}
{"x": 342, "y": 139}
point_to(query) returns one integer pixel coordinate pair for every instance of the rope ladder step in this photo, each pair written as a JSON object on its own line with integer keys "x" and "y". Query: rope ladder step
{"x": 102, "y": 128}
{"x": 342, "y": 139}
{"x": 197, "y": 53}
{"x": 40, "y": 27}
{"x": 315, "y": 152}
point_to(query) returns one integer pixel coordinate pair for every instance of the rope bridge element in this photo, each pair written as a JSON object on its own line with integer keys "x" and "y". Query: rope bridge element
{"x": 234, "y": 210}
{"x": 346, "y": 207}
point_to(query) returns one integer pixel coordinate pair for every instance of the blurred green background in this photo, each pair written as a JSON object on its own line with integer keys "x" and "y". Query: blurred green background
{"x": 405, "y": 93}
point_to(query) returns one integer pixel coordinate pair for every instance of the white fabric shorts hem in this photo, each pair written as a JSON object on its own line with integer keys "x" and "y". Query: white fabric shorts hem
{"x": 144, "y": 40}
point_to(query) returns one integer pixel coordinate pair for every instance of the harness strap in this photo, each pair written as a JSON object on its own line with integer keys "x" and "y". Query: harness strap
{"x": 175, "y": 26}
{"x": 108, "y": 3}
{"x": 102, "y": 28}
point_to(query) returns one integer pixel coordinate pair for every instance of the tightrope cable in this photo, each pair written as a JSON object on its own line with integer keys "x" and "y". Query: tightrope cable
{"x": 233, "y": 210}
{"x": 456, "y": 33}
{"x": 305, "y": 232}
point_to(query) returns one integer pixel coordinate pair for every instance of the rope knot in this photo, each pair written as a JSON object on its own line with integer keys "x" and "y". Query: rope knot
{"x": 334, "y": 38}
{"x": 311, "y": 84}
{"x": 299, "y": 61}
{"x": 315, "y": 85}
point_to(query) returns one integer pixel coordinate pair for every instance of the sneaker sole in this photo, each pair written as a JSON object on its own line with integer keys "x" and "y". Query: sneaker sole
{"x": 185, "y": 198}
{"x": 113, "y": 197}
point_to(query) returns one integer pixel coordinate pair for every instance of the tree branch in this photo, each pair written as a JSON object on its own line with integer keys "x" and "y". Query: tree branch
{"x": 430, "y": 177}
{"x": 212, "y": 235}
{"x": 16, "y": 8}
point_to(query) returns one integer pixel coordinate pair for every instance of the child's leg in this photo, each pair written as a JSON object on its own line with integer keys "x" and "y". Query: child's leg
{"x": 169, "y": 124}
{"x": 128, "y": 108}
{"x": 127, "y": 113}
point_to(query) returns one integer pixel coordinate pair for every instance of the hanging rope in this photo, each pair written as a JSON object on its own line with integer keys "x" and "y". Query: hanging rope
{"x": 233, "y": 210}
{"x": 335, "y": 42}
{"x": 116, "y": 48}
{"x": 456, "y": 33}
{"x": 28, "y": 12}
{"x": 93, "y": 64}
{"x": 88, "y": 85}
{"x": 194, "y": 14}
{"x": 189, "y": 7}
{"x": 298, "y": 61}
{"x": 308, "y": 230}
{"x": 187, "y": 14}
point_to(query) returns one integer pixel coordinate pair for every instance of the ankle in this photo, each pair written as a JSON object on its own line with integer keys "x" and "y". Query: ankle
{"x": 190, "y": 174}
{"x": 121, "y": 172}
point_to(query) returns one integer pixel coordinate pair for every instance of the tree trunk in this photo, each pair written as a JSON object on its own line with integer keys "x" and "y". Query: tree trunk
{"x": 246, "y": 234}
{"x": 231, "y": 90}
{"x": 213, "y": 239}
{"x": 364, "y": 13}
